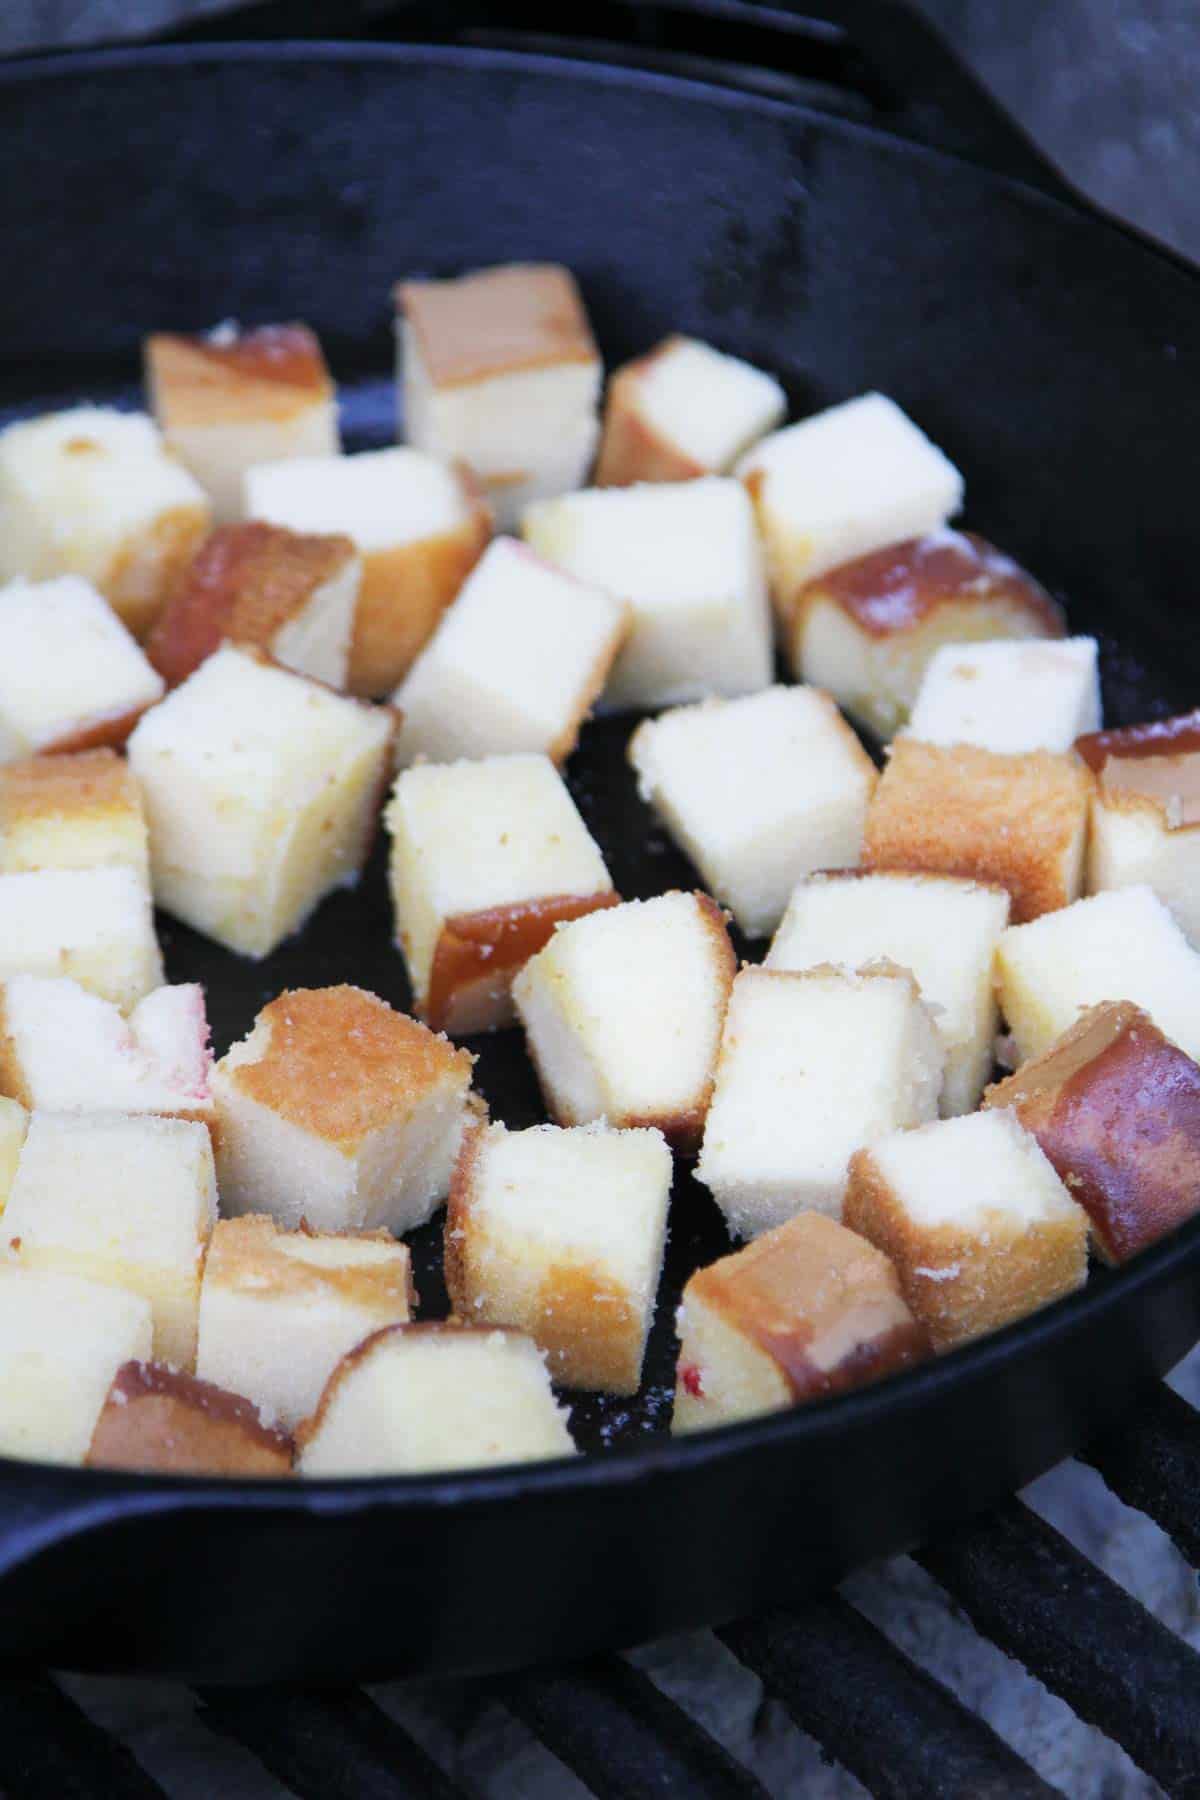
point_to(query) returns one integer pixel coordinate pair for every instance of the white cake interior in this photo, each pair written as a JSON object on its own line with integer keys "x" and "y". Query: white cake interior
{"x": 95, "y": 925}
{"x": 1132, "y": 845}
{"x": 76, "y": 1053}
{"x": 967, "y": 1172}
{"x": 1035, "y": 694}
{"x": 220, "y": 454}
{"x": 14, "y": 1123}
{"x": 712, "y": 406}
{"x": 380, "y": 498}
{"x": 316, "y": 640}
{"x": 67, "y": 665}
{"x": 686, "y": 556}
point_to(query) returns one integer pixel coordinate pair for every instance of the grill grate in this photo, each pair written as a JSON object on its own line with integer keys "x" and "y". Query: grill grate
{"x": 869, "y": 1707}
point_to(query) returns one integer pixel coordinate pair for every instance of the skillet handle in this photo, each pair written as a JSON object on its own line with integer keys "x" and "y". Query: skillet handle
{"x": 878, "y": 60}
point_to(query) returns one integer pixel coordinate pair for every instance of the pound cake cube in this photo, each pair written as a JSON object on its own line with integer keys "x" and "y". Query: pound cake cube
{"x": 487, "y": 858}
{"x": 339, "y": 1111}
{"x": 228, "y": 399}
{"x": 279, "y": 1309}
{"x": 623, "y": 1012}
{"x": 1116, "y": 1107}
{"x": 1019, "y": 822}
{"x": 868, "y": 629}
{"x": 944, "y": 931}
{"x": 805, "y": 1311}
{"x": 94, "y": 925}
{"x": 1145, "y": 812}
{"x": 683, "y": 410}
{"x": 93, "y": 492}
{"x": 71, "y": 677}
{"x": 262, "y": 790}
{"x": 14, "y": 1123}
{"x": 63, "y": 1049}
{"x": 499, "y": 368}
{"x": 758, "y": 792}
{"x": 126, "y": 1202}
{"x": 686, "y": 556}
{"x": 976, "y": 1221}
{"x": 422, "y": 1398}
{"x": 516, "y": 663}
{"x": 420, "y": 526}
{"x": 812, "y": 1066}
{"x": 1120, "y": 945}
{"x": 289, "y": 593}
{"x": 561, "y": 1233}
{"x": 161, "y": 1421}
{"x": 61, "y": 1343}
{"x": 1010, "y": 697}
{"x": 841, "y": 484}
{"x": 81, "y": 811}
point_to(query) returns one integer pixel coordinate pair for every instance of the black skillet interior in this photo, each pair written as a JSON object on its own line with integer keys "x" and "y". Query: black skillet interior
{"x": 1052, "y": 355}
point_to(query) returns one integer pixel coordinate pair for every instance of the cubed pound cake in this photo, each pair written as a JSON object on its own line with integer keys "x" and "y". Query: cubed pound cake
{"x": 94, "y": 925}
{"x": 162, "y": 1421}
{"x": 1009, "y": 697}
{"x": 758, "y": 792}
{"x": 805, "y": 1311}
{"x": 1116, "y": 1108}
{"x": 61, "y": 1343}
{"x": 499, "y": 369}
{"x": 288, "y": 593}
{"x": 71, "y": 677}
{"x": 14, "y": 1123}
{"x": 623, "y": 1012}
{"x": 81, "y": 811}
{"x": 422, "y": 1398}
{"x": 942, "y": 929}
{"x": 683, "y": 410}
{"x": 516, "y": 663}
{"x": 339, "y": 1111}
{"x": 840, "y": 484}
{"x": 812, "y": 1066}
{"x": 686, "y": 557}
{"x": 487, "y": 858}
{"x": 262, "y": 790}
{"x": 868, "y": 629}
{"x": 1122, "y": 945}
{"x": 978, "y": 1225}
{"x": 125, "y": 1202}
{"x": 94, "y": 493}
{"x": 420, "y": 526}
{"x": 560, "y": 1233}
{"x": 228, "y": 399}
{"x": 63, "y": 1049}
{"x": 278, "y": 1309}
{"x": 1145, "y": 812}
{"x": 1018, "y": 822}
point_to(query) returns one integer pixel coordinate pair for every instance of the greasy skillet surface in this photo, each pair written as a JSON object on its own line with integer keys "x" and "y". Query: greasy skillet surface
{"x": 1052, "y": 357}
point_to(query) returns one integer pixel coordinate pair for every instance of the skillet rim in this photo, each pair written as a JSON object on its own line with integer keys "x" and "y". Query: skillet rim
{"x": 85, "y": 1496}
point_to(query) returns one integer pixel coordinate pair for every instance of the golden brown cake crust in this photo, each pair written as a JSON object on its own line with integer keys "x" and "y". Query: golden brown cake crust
{"x": 958, "y": 1285}
{"x": 893, "y": 589}
{"x": 56, "y": 786}
{"x": 162, "y": 1421}
{"x": 958, "y": 810}
{"x": 496, "y": 322}
{"x": 271, "y": 372}
{"x": 1153, "y": 767}
{"x": 406, "y": 590}
{"x": 12, "y": 1079}
{"x": 630, "y": 448}
{"x": 1115, "y": 1107}
{"x": 477, "y": 955}
{"x": 245, "y": 582}
{"x": 148, "y": 567}
{"x": 340, "y": 1063}
{"x": 794, "y": 1286}
{"x": 249, "y": 1253}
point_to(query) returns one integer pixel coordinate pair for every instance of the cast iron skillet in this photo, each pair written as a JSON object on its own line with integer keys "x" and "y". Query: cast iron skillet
{"x": 1054, "y": 356}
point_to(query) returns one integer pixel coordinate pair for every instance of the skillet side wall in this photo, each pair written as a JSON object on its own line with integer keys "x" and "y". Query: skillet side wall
{"x": 1052, "y": 356}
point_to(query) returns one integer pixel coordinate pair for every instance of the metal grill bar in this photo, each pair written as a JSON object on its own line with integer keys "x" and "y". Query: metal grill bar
{"x": 326, "y": 1746}
{"x": 1154, "y": 1464}
{"x": 901, "y": 1732}
{"x": 623, "y": 1738}
{"x": 1022, "y": 1584}
{"x": 50, "y": 1750}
